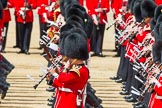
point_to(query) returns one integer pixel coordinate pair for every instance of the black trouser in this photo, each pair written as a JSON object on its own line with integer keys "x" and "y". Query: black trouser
{"x": 97, "y": 39}
{"x": 6, "y": 24}
{"x": 123, "y": 65}
{"x": 129, "y": 80}
{"x": 147, "y": 99}
{"x": 117, "y": 44}
{"x": 25, "y": 35}
{"x": 7, "y": 65}
{"x": 42, "y": 27}
{"x": 17, "y": 34}
{"x": 3, "y": 77}
{"x": 135, "y": 83}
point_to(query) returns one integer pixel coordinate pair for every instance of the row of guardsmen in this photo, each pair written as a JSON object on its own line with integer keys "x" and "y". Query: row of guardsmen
{"x": 74, "y": 50}
{"x": 138, "y": 31}
{"x": 5, "y": 66}
{"x": 23, "y": 11}
{"x": 47, "y": 11}
{"x": 66, "y": 47}
{"x": 66, "y": 44}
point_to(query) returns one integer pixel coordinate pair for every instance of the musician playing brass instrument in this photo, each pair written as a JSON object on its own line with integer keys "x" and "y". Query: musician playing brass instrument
{"x": 73, "y": 76}
{"x": 155, "y": 100}
{"x": 46, "y": 12}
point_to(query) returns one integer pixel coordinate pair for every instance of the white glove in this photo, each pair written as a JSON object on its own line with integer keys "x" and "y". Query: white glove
{"x": 22, "y": 14}
{"x": 45, "y": 17}
{"x": 4, "y": 32}
{"x": 52, "y": 6}
{"x": 47, "y": 8}
{"x": 154, "y": 80}
{"x": 52, "y": 23}
{"x": 95, "y": 19}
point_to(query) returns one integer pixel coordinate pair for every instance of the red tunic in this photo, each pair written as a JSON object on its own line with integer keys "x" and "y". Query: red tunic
{"x": 18, "y": 5}
{"x": 140, "y": 37}
{"x": 6, "y": 12}
{"x": 89, "y": 45}
{"x": 158, "y": 2}
{"x": 81, "y": 2}
{"x": 94, "y": 4}
{"x": 43, "y": 8}
{"x": 127, "y": 19}
{"x": 6, "y": 15}
{"x": 72, "y": 81}
{"x": 116, "y": 5}
{"x": 156, "y": 98}
{"x": 1, "y": 26}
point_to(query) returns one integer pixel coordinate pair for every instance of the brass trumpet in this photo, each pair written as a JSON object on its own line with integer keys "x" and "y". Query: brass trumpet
{"x": 53, "y": 65}
{"x": 150, "y": 86}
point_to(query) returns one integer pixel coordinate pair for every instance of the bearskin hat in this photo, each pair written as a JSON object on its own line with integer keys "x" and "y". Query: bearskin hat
{"x": 156, "y": 52}
{"x": 78, "y": 6}
{"x": 61, "y": 42}
{"x": 71, "y": 25}
{"x": 88, "y": 25}
{"x": 156, "y": 32}
{"x": 160, "y": 31}
{"x": 129, "y": 2}
{"x": 159, "y": 19}
{"x": 76, "y": 18}
{"x": 158, "y": 11}
{"x": 72, "y": 30}
{"x": 148, "y": 8}
{"x": 137, "y": 11}
{"x": 157, "y": 47}
{"x": 75, "y": 10}
{"x": 131, "y": 5}
{"x": 75, "y": 46}
{"x": 152, "y": 24}
{"x": 66, "y": 27}
{"x": 66, "y": 33}
{"x": 78, "y": 14}
{"x": 65, "y": 3}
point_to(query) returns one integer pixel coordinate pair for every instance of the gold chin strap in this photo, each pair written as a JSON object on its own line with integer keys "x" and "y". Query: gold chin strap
{"x": 64, "y": 58}
{"x": 73, "y": 62}
{"x": 147, "y": 20}
{"x": 75, "y": 68}
{"x": 161, "y": 10}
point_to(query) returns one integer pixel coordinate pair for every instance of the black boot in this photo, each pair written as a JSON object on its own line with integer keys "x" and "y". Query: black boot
{"x": 3, "y": 72}
{"x": 8, "y": 63}
{"x": 50, "y": 89}
{"x": 4, "y": 91}
{"x": 3, "y": 45}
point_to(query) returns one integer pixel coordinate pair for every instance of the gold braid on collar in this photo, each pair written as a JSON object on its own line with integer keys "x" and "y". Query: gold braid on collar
{"x": 76, "y": 68}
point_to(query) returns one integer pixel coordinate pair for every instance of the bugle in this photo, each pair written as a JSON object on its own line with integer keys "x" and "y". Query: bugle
{"x": 150, "y": 86}
{"x": 53, "y": 65}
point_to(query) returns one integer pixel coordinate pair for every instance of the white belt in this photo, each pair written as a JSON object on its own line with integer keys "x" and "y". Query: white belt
{"x": 69, "y": 90}
{"x": 158, "y": 97}
{"x": 23, "y": 8}
{"x": 65, "y": 90}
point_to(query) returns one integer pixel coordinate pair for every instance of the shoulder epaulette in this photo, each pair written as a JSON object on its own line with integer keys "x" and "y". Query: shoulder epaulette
{"x": 76, "y": 69}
